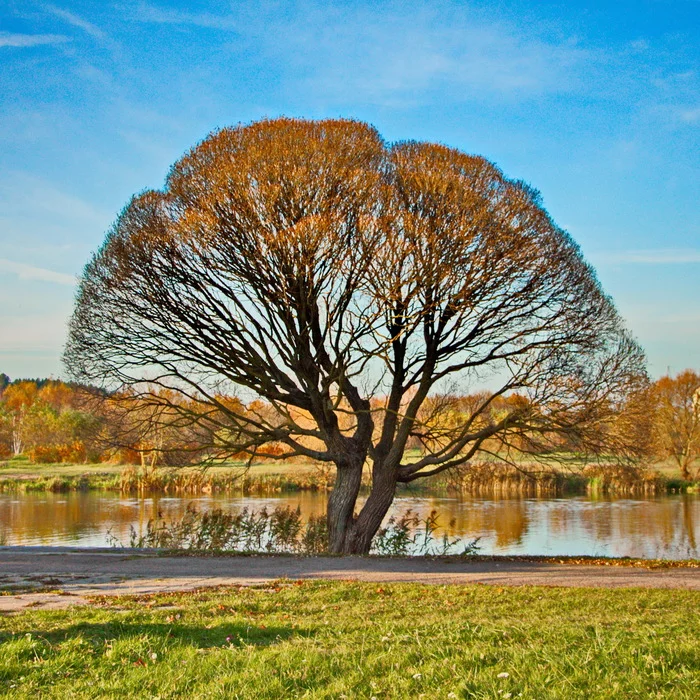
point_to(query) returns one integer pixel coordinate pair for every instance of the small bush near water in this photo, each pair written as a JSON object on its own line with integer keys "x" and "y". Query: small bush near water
{"x": 282, "y": 531}
{"x": 410, "y": 534}
{"x": 277, "y": 531}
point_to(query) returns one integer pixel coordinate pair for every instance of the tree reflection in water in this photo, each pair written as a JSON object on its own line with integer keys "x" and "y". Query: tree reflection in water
{"x": 665, "y": 527}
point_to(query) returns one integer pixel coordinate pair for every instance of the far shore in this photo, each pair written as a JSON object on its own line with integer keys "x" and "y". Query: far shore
{"x": 21, "y": 475}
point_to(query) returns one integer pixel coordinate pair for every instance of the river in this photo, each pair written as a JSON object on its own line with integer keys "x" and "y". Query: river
{"x": 662, "y": 527}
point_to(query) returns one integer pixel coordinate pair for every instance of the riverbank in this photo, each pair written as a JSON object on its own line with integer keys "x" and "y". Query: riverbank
{"x": 482, "y": 479}
{"x": 379, "y": 638}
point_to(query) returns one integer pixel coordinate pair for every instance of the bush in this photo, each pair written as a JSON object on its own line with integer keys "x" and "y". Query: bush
{"x": 54, "y": 454}
{"x": 282, "y": 531}
{"x": 279, "y": 531}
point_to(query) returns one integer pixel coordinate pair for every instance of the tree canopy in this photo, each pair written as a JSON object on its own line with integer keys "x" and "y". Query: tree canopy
{"x": 349, "y": 292}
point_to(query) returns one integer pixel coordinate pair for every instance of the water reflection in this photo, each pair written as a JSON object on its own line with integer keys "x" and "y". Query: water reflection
{"x": 667, "y": 527}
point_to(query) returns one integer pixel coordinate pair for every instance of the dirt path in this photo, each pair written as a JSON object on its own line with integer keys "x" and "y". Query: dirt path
{"x": 72, "y": 575}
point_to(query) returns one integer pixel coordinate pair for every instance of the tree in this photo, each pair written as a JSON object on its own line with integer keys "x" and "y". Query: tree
{"x": 351, "y": 290}
{"x": 159, "y": 428}
{"x": 676, "y": 431}
{"x": 18, "y": 399}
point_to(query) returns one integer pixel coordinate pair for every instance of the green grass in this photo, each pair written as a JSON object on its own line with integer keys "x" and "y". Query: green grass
{"x": 334, "y": 640}
{"x": 22, "y": 467}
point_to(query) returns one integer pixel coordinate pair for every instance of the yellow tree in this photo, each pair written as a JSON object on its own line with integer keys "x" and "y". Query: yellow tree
{"x": 677, "y": 420}
{"x": 17, "y": 399}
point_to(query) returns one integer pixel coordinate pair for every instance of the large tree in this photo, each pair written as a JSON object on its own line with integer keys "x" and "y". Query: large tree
{"x": 355, "y": 292}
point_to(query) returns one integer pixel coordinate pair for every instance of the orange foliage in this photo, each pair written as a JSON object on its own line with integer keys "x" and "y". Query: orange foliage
{"x": 51, "y": 454}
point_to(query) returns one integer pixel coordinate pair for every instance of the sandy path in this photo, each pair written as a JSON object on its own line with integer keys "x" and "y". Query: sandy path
{"x": 80, "y": 573}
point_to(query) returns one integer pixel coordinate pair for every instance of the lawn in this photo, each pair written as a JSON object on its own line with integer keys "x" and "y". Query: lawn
{"x": 335, "y": 640}
{"x": 23, "y": 467}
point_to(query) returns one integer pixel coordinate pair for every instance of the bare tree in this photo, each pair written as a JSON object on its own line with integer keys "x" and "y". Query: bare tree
{"x": 352, "y": 291}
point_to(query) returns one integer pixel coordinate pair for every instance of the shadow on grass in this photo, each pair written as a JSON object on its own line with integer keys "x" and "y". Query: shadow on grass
{"x": 202, "y": 636}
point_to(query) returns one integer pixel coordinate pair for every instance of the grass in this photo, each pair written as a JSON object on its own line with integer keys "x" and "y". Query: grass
{"x": 19, "y": 474}
{"x": 335, "y": 640}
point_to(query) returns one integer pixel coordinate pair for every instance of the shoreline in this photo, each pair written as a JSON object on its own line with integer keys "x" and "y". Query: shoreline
{"x": 192, "y": 481}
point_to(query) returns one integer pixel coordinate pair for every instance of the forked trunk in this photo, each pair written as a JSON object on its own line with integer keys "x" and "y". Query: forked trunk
{"x": 354, "y": 535}
{"x": 341, "y": 505}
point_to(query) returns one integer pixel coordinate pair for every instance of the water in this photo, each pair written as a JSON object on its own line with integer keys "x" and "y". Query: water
{"x": 663, "y": 527}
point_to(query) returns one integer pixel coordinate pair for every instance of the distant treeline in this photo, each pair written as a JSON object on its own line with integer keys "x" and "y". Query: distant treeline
{"x": 52, "y": 421}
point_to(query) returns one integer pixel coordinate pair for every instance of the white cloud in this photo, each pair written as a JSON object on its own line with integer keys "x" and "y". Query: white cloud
{"x": 652, "y": 256}
{"x": 26, "y": 40}
{"x": 89, "y": 28}
{"x": 157, "y": 15}
{"x": 352, "y": 55}
{"x": 79, "y": 22}
{"x": 689, "y": 116}
{"x": 393, "y": 56}
{"x": 639, "y": 45}
{"x": 30, "y": 272}
{"x": 24, "y": 196}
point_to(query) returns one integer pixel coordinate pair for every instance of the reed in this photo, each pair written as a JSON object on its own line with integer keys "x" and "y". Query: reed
{"x": 484, "y": 479}
{"x": 200, "y": 481}
{"x": 60, "y": 484}
{"x": 491, "y": 479}
{"x": 498, "y": 480}
{"x": 623, "y": 480}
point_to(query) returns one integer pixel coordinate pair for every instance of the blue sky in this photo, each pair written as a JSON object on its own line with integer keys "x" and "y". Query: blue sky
{"x": 597, "y": 104}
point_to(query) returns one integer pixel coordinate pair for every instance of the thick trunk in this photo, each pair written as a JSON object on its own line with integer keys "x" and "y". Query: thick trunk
{"x": 359, "y": 537}
{"x": 341, "y": 505}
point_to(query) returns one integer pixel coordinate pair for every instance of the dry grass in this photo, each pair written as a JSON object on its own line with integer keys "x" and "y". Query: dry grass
{"x": 488, "y": 478}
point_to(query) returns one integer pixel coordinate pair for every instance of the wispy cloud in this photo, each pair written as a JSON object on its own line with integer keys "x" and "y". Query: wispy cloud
{"x": 157, "y": 15}
{"x": 652, "y": 256}
{"x": 353, "y": 53}
{"x": 76, "y": 21}
{"x": 350, "y": 54}
{"x": 27, "y": 197}
{"x": 689, "y": 116}
{"x": 92, "y": 30}
{"x": 30, "y": 272}
{"x": 26, "y": 40}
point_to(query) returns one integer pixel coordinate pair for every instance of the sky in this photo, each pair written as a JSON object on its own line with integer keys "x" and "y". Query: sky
{"x": 596, "y": 104}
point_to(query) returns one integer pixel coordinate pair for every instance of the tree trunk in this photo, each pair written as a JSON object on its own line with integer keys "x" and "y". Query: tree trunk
{"x": 17, "y": 435}
{"x": 359, "y": 537}
{"x": 341, "y": 505}
{"x": 684, "y": 464}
